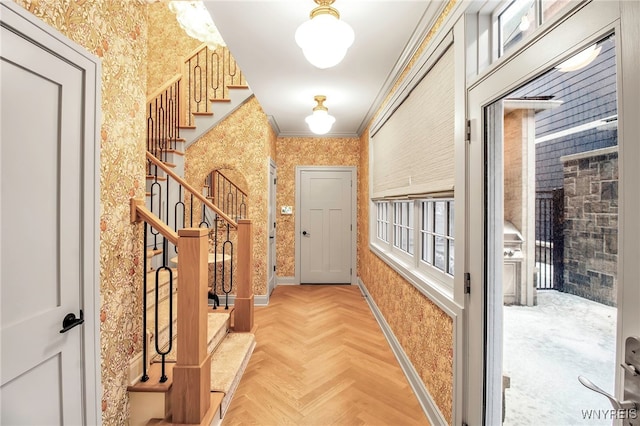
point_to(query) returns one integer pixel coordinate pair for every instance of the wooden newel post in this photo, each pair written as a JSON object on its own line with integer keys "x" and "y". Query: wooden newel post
{"x": 191, "y": 393}
{"x": 243, "y": 315}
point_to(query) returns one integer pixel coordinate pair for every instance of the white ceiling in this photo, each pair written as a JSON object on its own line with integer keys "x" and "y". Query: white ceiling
{"x": 260, "y": 35}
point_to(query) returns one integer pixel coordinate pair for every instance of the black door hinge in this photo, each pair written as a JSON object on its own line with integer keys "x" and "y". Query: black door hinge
{"x": 467, "y": 283}
{"x": 467, "y": 131}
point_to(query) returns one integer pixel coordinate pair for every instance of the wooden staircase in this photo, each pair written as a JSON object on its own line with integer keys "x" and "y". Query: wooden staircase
{"x": 197, "y": 354}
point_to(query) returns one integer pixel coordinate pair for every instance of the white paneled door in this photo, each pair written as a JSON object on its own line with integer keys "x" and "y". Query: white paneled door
{"x": 326, "y": 226}
{"x": 42, "y": 238}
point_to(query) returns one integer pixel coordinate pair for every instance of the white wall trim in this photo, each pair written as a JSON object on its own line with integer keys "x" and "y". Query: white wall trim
{"x": 27, "y": 25}
{"x": 287, "y": 281}
{"x": 431, "y": 410}
{"x": 258, "y": 300}
{"x": 354, "y": 214}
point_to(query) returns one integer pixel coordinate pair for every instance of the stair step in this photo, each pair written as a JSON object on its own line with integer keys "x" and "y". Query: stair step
{"x": 163, "y": 316}
{"x": 216, "y": 400}
{"x": 202, "y": 113}
{"x": 153, "y": 384}
{"x": 175, "y": 152}
{"x": 163, "y": 278}
{"x": 184, "y": 126}
{"x": 228, "y": 364}
{"x": 153, "y": 252}
{"x": 154, "y": 177}
{"x": 220, "y": 99}
{"x": 237, "y": 86}
{"x": 217, "y": 328}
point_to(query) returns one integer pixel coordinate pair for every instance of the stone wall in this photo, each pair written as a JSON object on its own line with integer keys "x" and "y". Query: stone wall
{"x": 591, "y": 224}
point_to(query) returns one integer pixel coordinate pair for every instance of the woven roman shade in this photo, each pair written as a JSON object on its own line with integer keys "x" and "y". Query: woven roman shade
{"x": 413, "y": 151}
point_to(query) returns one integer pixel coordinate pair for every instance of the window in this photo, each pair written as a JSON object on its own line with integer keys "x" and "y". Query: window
{"x": 437, "y": 235}
{"x": 521, "y": 17}
{"x": 382, "y": 220}
{"x": 430, "y": 237}
{"x": 403, "y": 226}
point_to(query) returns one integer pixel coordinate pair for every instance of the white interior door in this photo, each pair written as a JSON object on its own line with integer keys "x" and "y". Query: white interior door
{"x": 272, "y": 228}
{"x": 41, "y": 235}
{"x": 325, "y": 227}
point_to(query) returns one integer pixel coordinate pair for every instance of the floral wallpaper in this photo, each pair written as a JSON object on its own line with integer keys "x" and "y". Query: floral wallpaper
{"x": 292, "y": 152}
{"x": 167, "y": 47}
{"x": 424, "y": 330}
{"x": 116, "y": 32}
{"x": 241, "y": 143}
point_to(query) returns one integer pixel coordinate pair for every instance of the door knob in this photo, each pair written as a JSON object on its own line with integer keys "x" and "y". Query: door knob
{"x": 305, "y": 233}
{"x": 618, "y": 405}
{"x": 71, "y": 321}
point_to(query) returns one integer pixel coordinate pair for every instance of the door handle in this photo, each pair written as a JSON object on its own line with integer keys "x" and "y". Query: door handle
{"x": 618, "y": 405}
{"x": 305, "y": 233}
{"x": 71, "y": 321}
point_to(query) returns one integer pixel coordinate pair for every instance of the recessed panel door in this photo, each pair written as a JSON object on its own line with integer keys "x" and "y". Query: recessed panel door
{"x": 41, "y": 236}
{"x": 325, "y": 225}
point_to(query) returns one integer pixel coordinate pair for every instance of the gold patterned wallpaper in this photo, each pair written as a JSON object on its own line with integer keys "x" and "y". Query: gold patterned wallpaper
{"x": 115, "y": 31}
{"x": 424, "y": 330}
{"x": 241, "y": 142}
{"x": 292, "y": 152}
{"x": 167, "y": 47}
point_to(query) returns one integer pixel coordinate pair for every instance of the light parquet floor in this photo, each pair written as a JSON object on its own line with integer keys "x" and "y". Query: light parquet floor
{"x": 321, "y": 359}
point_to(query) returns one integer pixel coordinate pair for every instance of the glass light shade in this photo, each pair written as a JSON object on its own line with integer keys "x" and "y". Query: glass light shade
{"x": 580, "y": 60}
{"x": 195, "y": 20}
{"x": 324, "y": 40}
{"x": 320, "y": 122}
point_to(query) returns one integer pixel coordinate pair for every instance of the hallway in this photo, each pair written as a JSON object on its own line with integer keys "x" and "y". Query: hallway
{"x": 321, "y": 359}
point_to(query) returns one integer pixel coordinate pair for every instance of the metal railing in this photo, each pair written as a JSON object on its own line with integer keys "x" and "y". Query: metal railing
{"x": 225, "y": 194}
{"x": 549, "y": 233}
{"x": 209, "y": 75}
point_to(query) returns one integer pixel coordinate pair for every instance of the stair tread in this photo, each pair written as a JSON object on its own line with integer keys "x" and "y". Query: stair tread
{"x": 217, "y": 329}
{"x": 153, "y": 384}
{"x": 229, "y": 359}
{"x": 216, "y": 400}
{"x": 202, "y": 113}
{"x": 163, "y": 277}
{"x": 174, "y": 151}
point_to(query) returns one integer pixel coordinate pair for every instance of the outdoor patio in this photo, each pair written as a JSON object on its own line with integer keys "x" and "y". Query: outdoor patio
{"x": 546, "y": 348}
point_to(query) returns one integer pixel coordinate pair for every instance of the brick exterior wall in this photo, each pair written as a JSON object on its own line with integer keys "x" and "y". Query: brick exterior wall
{"x": 591, "y": 224}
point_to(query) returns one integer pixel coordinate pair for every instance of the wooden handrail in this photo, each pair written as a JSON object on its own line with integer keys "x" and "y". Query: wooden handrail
{"x": 193, "y": 191}
{"x": 164, "y": 87}
{"x": 194, "y": 52}
{"x": 140, "y": 212}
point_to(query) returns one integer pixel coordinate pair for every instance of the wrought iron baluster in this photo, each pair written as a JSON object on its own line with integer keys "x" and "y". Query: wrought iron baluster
{"x": 159, "y": 351}
{"x": 227, "y": 246}
{"x": 145, "y": 375}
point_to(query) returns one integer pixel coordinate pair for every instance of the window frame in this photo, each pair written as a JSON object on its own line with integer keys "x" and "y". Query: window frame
{"x": 411, "y": 266}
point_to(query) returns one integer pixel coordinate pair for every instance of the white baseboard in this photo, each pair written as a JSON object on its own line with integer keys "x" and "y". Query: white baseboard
{"x": 287, "y": 281}
{"x": 258, "y": 300}
{"x": 429, "y": 407}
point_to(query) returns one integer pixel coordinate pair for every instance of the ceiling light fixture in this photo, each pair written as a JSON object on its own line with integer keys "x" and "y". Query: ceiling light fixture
{"x": 325, "y": 38}
{"x": 524, "y": 23}
{"x": 320, "y": 121}
{"x": 580, "y": 60}
{"x": 195, "y": 20}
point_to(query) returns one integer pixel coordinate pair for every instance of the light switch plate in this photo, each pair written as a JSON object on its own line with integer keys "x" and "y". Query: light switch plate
{"x": 286, "y": 210}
